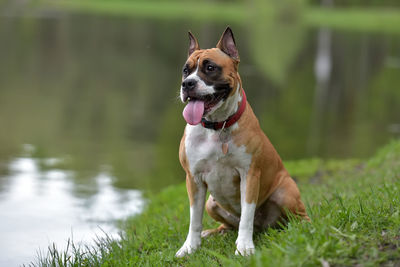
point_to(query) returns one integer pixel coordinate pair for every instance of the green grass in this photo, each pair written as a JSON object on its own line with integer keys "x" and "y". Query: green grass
{"x": 356, "y": 19}
{"x": 153, "y": 9}
{"x": 354, "y": 207}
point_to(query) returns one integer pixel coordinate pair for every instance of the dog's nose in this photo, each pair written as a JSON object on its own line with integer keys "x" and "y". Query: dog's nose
{"x": 189, "y": 84}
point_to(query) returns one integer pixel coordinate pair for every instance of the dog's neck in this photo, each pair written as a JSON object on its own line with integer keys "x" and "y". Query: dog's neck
{"x": 227, "y": 108}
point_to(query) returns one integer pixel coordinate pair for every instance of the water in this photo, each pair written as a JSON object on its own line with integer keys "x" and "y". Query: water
{"x": 96, "y": 100}
{"x": 42, "y": 207}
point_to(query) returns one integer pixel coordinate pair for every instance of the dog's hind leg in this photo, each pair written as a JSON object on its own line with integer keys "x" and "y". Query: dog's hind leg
{"x": 228, "y": 220}
{"x": 287, "y": 198}
{"x": 222, "y": 229}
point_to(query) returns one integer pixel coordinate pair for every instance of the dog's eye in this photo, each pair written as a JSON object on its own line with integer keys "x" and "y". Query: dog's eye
{"x": 185, "y": 71}
{"x": 210, "y": 68}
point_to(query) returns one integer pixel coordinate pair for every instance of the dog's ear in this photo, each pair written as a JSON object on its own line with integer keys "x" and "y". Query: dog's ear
{"x": 193, "y": 44}
{"x": 227, "y": 44}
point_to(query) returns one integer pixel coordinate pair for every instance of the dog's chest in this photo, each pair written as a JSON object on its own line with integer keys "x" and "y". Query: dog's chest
{"x": 208, "y": 162}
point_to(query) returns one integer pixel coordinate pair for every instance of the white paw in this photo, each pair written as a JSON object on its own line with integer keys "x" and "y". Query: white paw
{"x": 244, "y": 247}
{"x": 207, "y": 233}
{"x": 188, "y": 248}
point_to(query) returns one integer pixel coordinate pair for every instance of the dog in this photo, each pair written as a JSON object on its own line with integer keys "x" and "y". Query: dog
{"x": 224, "y": 150}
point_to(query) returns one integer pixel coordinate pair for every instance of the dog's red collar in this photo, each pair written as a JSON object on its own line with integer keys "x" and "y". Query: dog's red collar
{"x": 228, "y": 122}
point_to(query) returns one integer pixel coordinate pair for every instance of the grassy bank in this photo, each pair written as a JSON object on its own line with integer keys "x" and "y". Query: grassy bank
{"x": 355, "y": 19}
{"x": 354, "y": 207}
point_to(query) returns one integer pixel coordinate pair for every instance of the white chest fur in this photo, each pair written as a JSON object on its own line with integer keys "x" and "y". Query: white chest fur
{"x": 210, "y": 165}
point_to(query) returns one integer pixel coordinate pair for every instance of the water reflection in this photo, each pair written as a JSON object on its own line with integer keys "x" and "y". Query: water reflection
{"x": 322, "y": 72}
{"x": 39, "y": 207}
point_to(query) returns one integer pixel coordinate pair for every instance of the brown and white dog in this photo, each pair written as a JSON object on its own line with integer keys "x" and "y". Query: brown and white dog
{"x": 224, "y": 150}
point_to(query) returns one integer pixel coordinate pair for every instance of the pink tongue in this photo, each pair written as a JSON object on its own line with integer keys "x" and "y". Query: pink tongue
{"x": 193, "y": 112}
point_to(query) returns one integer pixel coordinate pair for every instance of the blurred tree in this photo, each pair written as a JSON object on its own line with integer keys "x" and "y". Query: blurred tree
{"x": 276, "y": 36}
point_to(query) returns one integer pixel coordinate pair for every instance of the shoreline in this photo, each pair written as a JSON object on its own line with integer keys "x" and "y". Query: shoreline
{"x": 353, "y": 205}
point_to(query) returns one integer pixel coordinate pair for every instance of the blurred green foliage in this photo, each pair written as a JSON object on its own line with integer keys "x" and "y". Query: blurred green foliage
{"x": 360, "y": 3}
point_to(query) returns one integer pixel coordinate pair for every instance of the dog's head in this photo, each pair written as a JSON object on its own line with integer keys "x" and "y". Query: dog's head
{"x": 210, "y": 80}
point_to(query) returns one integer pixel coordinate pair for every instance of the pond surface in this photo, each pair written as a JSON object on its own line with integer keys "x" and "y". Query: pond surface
{"x": 41, "y": 208}
{"x": 95, "y": 99}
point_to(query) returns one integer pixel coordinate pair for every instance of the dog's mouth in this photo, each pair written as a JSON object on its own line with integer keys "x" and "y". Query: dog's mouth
{"x": 209, "y": 100}
{"x": 199, "y": 105}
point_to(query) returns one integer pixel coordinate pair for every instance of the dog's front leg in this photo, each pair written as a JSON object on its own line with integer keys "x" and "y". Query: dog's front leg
{"x": 197, "y": 195}
{"x": 249, "y": 189}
